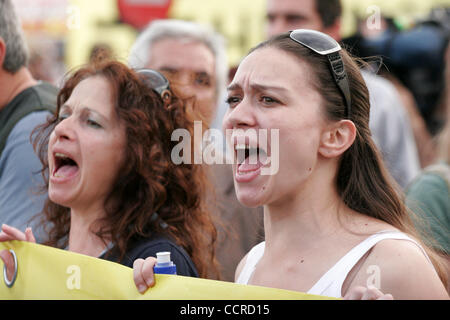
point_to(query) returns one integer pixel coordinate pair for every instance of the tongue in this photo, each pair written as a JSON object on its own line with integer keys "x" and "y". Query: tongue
{"x": 66, "y": 171}
{"x": 248, "y": 165}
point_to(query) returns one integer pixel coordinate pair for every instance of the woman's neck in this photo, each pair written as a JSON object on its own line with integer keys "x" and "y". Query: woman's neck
{"x": 300, "y": 221}
{"x": 82, "y": 237}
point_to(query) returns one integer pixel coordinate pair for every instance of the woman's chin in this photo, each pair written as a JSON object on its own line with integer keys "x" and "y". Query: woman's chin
{"x": 250, "y": 200}
{"x": 58, "y": 198}
{"x": 252, "y": 195}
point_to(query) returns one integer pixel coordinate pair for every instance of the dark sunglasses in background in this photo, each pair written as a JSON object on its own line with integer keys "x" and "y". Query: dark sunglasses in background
{"x": 325, "y": 45}
{"x": 156, "y": 81}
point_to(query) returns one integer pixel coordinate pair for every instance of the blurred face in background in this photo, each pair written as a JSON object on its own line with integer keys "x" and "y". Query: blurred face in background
{"x": 286, "y": 15}
{"x": 190, "y": 67}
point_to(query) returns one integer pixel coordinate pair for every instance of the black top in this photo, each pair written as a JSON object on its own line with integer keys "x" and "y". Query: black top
{"x": 148, "y": 247}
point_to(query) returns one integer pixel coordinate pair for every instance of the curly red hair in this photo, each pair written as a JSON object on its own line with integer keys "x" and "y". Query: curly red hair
{"x": 148, "y": 181}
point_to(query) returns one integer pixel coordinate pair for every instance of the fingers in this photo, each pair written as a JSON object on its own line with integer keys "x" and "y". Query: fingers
{"x": 143, "y": 275}
{"x": 29, "y": 235}
{"x": 369, "y": 293}
{"x": 147, "y": 271}
{"x": 137, "y": 275}
{"x": 355, "y": 293}
{"x": 8, "y": 261}
{"x": 386, "y": 297}
{"x": 13, "y": 233}
{"x": 5, "y": 237}
{"x": 372, "y": 293}
{"x": 10, "y": 233}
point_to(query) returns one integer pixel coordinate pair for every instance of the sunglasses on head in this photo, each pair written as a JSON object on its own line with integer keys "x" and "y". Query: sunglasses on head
{"x": 156, "y": 81}
{"x": 325, "y": 45}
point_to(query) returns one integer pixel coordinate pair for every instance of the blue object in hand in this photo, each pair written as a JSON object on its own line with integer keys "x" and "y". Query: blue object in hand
{"x": 163, "y": 264}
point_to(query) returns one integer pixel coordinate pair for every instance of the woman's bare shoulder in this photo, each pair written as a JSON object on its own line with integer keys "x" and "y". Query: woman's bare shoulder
{"x": 401, "y": 268}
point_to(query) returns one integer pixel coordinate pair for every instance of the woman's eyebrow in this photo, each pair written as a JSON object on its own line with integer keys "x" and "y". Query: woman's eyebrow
{"x": 84, "y": 109}
{"x": 257, "y": 87}
{"x": 90, "y": 110}
{"x": 65, "y": 106}
{"x": 261, "y": 87}
{"x": 233, "y": 86}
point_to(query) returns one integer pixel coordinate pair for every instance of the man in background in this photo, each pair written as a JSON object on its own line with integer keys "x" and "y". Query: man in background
{"x": 193, "y": 58}
{"x": 24, "y": 104}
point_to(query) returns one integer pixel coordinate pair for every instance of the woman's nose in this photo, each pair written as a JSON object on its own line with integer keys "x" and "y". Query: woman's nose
{"x": 240, "y": 116}
{"x": 63, "y": 129}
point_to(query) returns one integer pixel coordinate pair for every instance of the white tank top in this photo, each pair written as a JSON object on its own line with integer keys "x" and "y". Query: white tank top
{"x": 330, "y": 284}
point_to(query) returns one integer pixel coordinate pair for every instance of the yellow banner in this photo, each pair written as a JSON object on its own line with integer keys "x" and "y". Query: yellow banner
{"x": 48, "y": 273}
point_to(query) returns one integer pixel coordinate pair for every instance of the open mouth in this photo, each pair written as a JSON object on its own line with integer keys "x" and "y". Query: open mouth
{"x": 65, "y": 167}
{"x": 249, "y": 158}
{"x": 250, "y": 155}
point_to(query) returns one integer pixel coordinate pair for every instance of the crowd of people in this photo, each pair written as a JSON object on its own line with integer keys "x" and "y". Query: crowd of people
{"x": 88, "y": 167}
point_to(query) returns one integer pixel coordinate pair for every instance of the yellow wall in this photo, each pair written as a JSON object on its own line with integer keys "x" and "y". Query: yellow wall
{"x": 91, "y": 22}
{"x": 240, "y": 21}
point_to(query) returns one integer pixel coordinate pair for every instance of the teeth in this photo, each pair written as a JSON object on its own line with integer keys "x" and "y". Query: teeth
{"x": 246, "y": 148}
{"x": 60, "y": 155}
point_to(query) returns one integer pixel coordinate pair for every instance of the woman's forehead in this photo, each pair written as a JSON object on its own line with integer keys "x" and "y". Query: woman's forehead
{"x": 95, "y": 88}
{"x": 271, "y": 66}
{"x": 94, "y": 92}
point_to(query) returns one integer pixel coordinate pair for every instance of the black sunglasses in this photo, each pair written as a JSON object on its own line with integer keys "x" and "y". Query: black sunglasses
{"x": 325, "y": 45}
{"x": 156, "y": 81}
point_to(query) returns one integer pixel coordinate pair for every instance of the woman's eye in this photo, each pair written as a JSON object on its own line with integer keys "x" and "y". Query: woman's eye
{"x": 93, "y": 123}
{"x": 268, "y": 100}
{"x": 232, "y": 101}
{"x": 62, "y": 117}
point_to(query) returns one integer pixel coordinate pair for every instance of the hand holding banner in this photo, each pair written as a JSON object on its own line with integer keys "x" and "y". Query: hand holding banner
{"x": 47, "y": 273}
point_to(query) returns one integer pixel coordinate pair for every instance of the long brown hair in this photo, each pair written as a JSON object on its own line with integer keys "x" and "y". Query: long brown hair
{"x": 148, "y": 181}
{"x": 362, "y": 181}
{"x": 444, "y": 136}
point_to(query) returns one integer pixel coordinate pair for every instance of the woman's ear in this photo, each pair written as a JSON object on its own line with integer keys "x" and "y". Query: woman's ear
{"x": 337, "y": 138}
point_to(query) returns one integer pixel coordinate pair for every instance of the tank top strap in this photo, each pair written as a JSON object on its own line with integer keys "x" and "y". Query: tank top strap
{"x": 253, "y": 257}
{"x": 330, "y": 284}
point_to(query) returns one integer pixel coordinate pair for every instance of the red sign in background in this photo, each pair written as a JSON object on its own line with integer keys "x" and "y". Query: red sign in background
{"x": 139, "y": 13}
